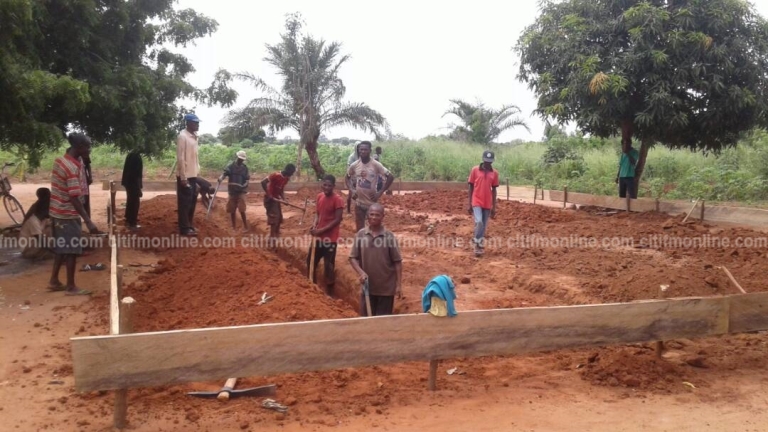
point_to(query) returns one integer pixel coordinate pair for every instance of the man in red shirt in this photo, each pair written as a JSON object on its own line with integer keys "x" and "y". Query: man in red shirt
{"x": 325, "y": 230}
{"x": 483, "y": 181}
{"x": 274, "y": 186}
{"x": 66, "y": 210}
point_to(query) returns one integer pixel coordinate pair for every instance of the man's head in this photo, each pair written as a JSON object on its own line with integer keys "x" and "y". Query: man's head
{"x": 192, "y": 122}
{"x": 79, "y": 145}
{"x": 329, "y": 182}
{"x": 43, "y": 194}
{"x": 241, "y": 157}
{"x": 364, "y": 150}
{"x": 488, "y": 158}
{"x": 289, "y": 170}
{"x": 378, "y": 150}
{"x": 375, "y": 215}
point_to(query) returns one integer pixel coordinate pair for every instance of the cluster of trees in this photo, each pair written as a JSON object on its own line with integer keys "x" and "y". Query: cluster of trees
{"x": 683, "y": 73}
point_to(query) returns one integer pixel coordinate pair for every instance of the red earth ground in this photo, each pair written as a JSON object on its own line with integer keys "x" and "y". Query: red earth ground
{"x": 714, "y": 383}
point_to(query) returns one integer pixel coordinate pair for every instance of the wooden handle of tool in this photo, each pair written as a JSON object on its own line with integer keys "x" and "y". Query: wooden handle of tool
{"x": 228, "y": 386}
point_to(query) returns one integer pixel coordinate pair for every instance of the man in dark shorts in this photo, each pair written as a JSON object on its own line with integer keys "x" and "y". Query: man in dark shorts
{"x": 66, "y": 210}
{"x": 274, "y": 186}
{"x": 325, "y": 230}
{"x": 362, "y": 177}
{"x": 238, "y": 176}
{"x": 375, "y": 257}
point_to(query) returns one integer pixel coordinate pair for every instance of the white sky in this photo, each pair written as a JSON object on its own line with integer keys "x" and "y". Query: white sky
{"x": 408, "y": 58}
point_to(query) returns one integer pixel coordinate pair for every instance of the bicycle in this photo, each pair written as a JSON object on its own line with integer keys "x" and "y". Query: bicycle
{"x": 11, "y": 204}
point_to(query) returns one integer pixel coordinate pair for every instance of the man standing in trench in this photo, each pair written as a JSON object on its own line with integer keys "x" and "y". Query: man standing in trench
{"x": 325, "y": 231}
{"x": 187, "y": 170}
{"x": 376, "y": 258}
{"x": 483, "y": 181}
{"x": 361, "y": 179}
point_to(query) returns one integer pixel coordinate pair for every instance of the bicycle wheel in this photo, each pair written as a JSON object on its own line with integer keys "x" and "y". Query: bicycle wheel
{"x": 14, "y": 209}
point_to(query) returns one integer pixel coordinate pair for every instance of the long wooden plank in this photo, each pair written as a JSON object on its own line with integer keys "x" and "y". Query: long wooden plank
{"x": 640, "y": 204}
{"x": 152, "y": 359}
{"x": 749, "y": 312}
{"x": 170, "y": 186}
{"x": 740, "y": 215}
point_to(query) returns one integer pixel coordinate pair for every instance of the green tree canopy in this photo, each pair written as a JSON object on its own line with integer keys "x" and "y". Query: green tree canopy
{"x": 101, "y": 67}
{"x": 685, "y": 73}
{"x": 481, "y": 124}
{"x": 310, "y": 99}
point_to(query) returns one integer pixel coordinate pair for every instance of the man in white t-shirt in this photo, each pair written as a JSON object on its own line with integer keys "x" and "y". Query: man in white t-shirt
{"x": 362, "y": 177}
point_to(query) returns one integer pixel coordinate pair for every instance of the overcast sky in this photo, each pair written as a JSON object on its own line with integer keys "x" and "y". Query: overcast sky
{"x": 408, "y": 58}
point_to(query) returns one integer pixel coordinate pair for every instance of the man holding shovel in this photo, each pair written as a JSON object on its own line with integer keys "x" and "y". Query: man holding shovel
{"x": 376, "y": 258}
{"x": 238, "y": 175}
{"x": 325, "y": 230}
{"x": 274, "y": 194}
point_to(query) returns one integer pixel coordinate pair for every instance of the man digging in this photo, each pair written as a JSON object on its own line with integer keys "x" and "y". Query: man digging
{"x": 376, "y": 258}
{"x": 325, "y": 230}
{"x": 274, "y": 192}
{"x": 483, "y": 181}
{"x": 237, "y": 187}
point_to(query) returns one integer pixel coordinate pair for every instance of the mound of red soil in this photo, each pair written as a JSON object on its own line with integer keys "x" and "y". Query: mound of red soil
{"x": 636, "y": 368}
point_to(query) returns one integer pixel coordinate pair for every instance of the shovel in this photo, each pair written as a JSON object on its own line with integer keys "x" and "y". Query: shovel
{"x": 367, "y": 294}
{"x": 213, "y": 198}
{"x": 228, "y": 391}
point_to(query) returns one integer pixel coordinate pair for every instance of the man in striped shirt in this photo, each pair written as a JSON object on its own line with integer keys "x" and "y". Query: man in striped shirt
{"x": 66, "y": 210}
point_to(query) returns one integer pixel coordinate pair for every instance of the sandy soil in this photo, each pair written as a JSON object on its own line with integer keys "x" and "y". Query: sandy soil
{"x": 615, "y": 388}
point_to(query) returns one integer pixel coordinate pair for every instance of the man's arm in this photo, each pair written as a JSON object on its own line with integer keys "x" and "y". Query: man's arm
{"x": 354, "y": 260}
{"x": 387, "y": 184}
{"x": 471, "y": 191}
{"x": 264, "y": 186}
{"x": 493, "y": 209}
{"x": 83, "y": 214}
{"x": 181, "y": 166}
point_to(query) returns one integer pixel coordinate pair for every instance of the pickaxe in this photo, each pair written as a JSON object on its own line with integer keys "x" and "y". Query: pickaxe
{"x": 213, "y": 198}
{"x": 228, "y": 391}
{"x": 303, "y": 209}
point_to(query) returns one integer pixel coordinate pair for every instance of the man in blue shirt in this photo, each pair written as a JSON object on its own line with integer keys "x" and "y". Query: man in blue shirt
{"x": 626, "y": 175}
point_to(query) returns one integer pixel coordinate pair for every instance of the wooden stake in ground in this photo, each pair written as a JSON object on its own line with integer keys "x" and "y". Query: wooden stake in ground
{"x": 112, "y": 195}
{"x": 565, "y": 195}
{"x": 312, "y": 260}
{"x": 733, "y": 280}
{"x": 507, "y": 188}
{"x": 660, "y": 344}
{"x": 691, "y": 210}
{"x": 121, "y": 396}
{"x": 535, "y": 193}
{"x": 629, "y": 198}
{"x": 702, "y": 210}
{"x": 432, "y": 383}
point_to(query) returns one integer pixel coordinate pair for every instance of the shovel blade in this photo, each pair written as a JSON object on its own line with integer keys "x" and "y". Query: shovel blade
{"x": 267, "y": 390}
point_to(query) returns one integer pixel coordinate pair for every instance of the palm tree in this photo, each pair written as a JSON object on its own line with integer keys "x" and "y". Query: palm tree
{"x": 481, "y": 124}
{"x": 310, "y": 99}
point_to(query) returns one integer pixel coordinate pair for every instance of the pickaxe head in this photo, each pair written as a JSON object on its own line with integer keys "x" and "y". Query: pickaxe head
{"x": 304, "y": 212}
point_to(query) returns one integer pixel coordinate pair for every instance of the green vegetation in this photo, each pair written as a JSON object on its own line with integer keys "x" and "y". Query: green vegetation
{"x": 584, "y": 164}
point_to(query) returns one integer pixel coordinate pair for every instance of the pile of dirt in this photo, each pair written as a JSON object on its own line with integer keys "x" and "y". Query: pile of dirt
{"x": 158, "y": 218}
{"x": 636, "y": 368}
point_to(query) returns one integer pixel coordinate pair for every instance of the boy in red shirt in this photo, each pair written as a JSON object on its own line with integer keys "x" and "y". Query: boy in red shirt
{"x": 483, "y": 181}
{"x": 325, "y": 230}
{"x": 274, "y": 186}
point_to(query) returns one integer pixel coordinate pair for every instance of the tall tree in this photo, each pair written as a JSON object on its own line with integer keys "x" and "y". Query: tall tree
{"x": 481, "y": 124}
{"x": 310, "y": 99}
{"x": 102, "y": 67}
{"x": 685, "y": 73}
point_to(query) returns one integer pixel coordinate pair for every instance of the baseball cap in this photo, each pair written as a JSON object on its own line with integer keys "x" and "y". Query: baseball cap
{"x": 488, "y": 156}
{"x": 191, "y": 117}
{"x": 241, "y": 155}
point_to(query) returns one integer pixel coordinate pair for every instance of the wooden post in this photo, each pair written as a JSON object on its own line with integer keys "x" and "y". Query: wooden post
{"x": 121, "y": 396}
{"x": 507, "y": 188}
{"x": 112, "y": 194}
{"x": 628, "y": 203}
{"x": 702, "y": 210}
{"x": 657, "y": 205}
{"x": 691, "y": 210}
{"x": 400, "y": 186}
{"x": 432, "y": 383}
{"x": 733, "y": 280}
{"x": 535, "y": 193}
{"x": 542, "y": 194}
{"x": 565, "y": 195}
{"x": 660, "y": 344}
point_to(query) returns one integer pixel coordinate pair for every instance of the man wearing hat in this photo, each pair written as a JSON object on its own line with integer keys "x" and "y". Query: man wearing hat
{"x": 238, "y": 176}
{"x": 483, "y": 181}
{"x": 187, "y": 170}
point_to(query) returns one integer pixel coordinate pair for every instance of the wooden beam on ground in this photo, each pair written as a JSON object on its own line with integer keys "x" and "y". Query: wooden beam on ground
{"x": 170, "y": 186}
{"x": 154, "y": 359}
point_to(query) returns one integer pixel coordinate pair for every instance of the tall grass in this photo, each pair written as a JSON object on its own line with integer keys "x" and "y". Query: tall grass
{"x": 584, "y": 165}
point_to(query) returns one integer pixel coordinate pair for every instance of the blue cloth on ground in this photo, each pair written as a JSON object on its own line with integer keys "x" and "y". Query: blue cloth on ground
{"x": 441, "y": 286}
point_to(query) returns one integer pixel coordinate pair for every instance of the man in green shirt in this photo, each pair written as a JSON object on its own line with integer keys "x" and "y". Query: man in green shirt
{"x": 626, "y": 175}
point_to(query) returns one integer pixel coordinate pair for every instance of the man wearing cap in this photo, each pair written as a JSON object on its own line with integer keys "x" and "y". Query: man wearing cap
{"x": 238, "y": 176}
{"x": 187, "y": 170}
{"x": 483, "y": 181}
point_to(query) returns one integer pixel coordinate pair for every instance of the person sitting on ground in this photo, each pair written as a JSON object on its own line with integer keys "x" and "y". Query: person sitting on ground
{"x": 376, "y": 258}
{"x": 206, "y": 190}
{"x": 238, "y": 176}
{"x": 36, "y": 228}
{"x": 325, "y": 230}
{"x": 274, "y": 193}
